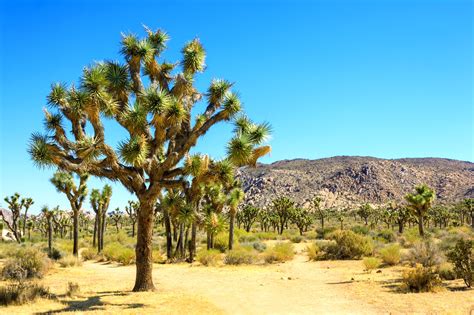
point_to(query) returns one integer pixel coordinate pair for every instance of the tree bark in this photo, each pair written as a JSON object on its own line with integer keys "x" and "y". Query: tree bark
{"x": 192, "y": 246}
{"x": 75, "y": 245}
{"x": 169, "y": 239}
{"x": 95, "y": 232}
{"x": 143, "y": 250}
{"x": 50, "y": 237}
{"x": 102, "y": 232}
{"x": 420, "y": 226}
{"x": 133, "y": 229}
{"x": 231, "y": 231}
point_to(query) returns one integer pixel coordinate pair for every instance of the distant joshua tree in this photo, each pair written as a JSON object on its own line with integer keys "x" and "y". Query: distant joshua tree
{"x": 419, "y": 203}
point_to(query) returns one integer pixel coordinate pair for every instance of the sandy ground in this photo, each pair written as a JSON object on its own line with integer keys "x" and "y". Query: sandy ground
{"x": 296, "y": 287}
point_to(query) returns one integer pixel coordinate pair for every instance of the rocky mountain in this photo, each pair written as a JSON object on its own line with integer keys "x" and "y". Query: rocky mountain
{"x": 351, "y": 180}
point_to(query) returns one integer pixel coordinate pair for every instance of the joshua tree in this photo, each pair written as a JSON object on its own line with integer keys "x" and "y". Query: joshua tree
{"x": 401, "y": 215}
{"x": 302, "y": 219}
{"x": 157, "y": 119}
{"x": 15, "y": 205}
{"x": 247, "y": 216}
{"x": 283, "y": 208}
{"x": 27, "y": 203}
{"x": 469, "y": 205}
{"x": 419, "y": 203}
{"x": 29, "y": 226}
{"x": 76, "y": 194}
{"x": 100, "y": 204}
{"x": 320, "y": 212}
{"x": 116, "y": 216}
{"x": 235, "y": 197}
{"x": 131, "y": 211}
{"x": 365, "y": 211}
{"x": 48, "y": 215}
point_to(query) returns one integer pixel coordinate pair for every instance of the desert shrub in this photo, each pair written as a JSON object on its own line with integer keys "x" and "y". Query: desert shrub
{"x": 208, "y": 257}
{"x": 158, "y": 257}
{"x": 280, "y": 252}
{"x": 371, "y": 263}
{"x": 119, "y": 253}
{"x": 314, "y": 252}
{"x": 221, "y": 242}
{"x": 361, "y": 229}
{"x": 21, "y": 293}
{"x": 463, "y": 260}
{"x": 257, "y": 245}
{"x": 72, "y": 289}
{"x": 7, "y": 249}
{"x": 296, "y": 239}
{"x": 446, "y": 271}
{"x": 324, "y": 233}
{"x": 311, "y": 235}
{"x": 288, "y": 234}
{"x": 120, "y": 237}
{"x": 390, "y": 254}
{"x": 26, "y": 263}
{"x": 55, "y": 253}
{"x": 266, "y": 235}
{"x": 348, "y": 245}
{"x": 247, "y": 238}
{"x": 70, "y": 261}
{"x": 425, "y": 253}
{"x": 240, "y": 256}
{"x": 410, "y": 237}
{"x": 387, "y": 235}
{"x": 420, "y": 279}
{"x": 63, "y": 245}
{"x": 89, "y": 253}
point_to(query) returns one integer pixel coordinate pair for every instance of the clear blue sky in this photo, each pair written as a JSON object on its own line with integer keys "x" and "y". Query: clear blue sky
{"x": 380, "y": 78}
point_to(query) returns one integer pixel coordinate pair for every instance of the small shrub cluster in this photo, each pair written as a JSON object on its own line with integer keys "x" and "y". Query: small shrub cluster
{"x": 240, "y": 256}
{"x": 221, "y": 242}
{"x": 21, "y": 293}
{"x": 296, "y": 239}
{"x": 119, "y": 253}
{"x": 264, "y": 236}
{"x": 89, "y": 253}
{"x": 462, "y": 258}
{"x": 446, "y": 271}
{"x": 55, "y": 253}
{"x": 26, "y": 263}
{"x": 420, "y": 279}
{"x": 371, "y": 263}
{"x": 361, "y": 229}
{"x": 280, "y": 252}
{"x": 387, "y": 235}
{"x": 348, "y": 245}
{"x": 209, "y": 257}
{"x": 390, "y": 254}
{"x": 70, "y": 261}
{"x": 314, "y": 252}
{"x": 425, "y": 253}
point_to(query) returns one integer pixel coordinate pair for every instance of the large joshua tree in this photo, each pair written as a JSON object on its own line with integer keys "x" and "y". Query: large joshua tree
{"x": 76, "y": 194}
{"x": 419, "y": 203}
{"x": 152, "y": 101}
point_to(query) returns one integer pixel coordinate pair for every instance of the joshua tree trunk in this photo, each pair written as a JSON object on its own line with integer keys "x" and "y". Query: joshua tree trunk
{"x": 231, "y": 230}
{"x": 95, "y": 232}
{"x": 133, "y": 229}
{"x": 50, "y": 237}
{"x": 99, "y": 232}
{"x": 192, "y": 245}
{"x": 472, "y": 219}
{"x": 102, "y": 232}
{"x": 400, "y": 227}
{"x": 143, "y": 250}
{"x": 169, "y": 239}
{"x": 420, "y": 226}
{"x": 24, "y": 222}
{"x": 76, "y": 232}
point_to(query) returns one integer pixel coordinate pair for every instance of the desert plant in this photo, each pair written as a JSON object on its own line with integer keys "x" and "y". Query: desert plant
{"x": 21, "y": 293}
{"x": 425, "y": 253}
{"x": 236, "y": 196}
{"x": 371, "y": 263}
{"x": 348, "y": 245}
{"x": 132, "y": 212}
{"x": 210, "y": 257}
{"x": 446, "y": 271}
{"x": 462, "y": 258}
{"x": 70, "y": 261}
{"x": 152, "y": 101}
{"x": 72, "y": 289}
{"x": 247, "y": 216}
{"x": 296, "y": 239}
{"x": 387, "y": 235}
{"x": 314, "y": 252}
{"x": 390, "y": 254}
{"x": 419, "y": 204}
{"x": 26, "y": 263}
{"x": 240, "y": 256}
{"x": 420, "y": 279}
{"x": 283, "y": 208}
{"x": 88, "y": 254}
{"x": 280, "y": 252}
{"x": 15, "y": 205}
{"x": 100, "y": 201}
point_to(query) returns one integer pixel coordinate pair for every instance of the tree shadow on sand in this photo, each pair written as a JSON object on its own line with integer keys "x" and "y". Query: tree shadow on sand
{"x": 93, "y": 303}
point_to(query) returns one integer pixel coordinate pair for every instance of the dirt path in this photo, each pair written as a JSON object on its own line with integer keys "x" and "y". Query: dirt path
{"x": 296, "y": 287}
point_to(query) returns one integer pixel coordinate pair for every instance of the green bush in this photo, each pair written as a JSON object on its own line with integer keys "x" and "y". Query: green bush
{"x": 462, "y": 257}
{"x": 280, "y": 252}
{"x": 314, "y": 252}
{"x": 221, "y": 242}
{"x": 208, "y": 257}
{"x": 390, "y": 254}
{"x": 446, "y": 271}
{"x": 70, "y": 261}
{"x": 55, "y": 254}
{"x": 361, "y": 229}
{"x": 158, "y": 257}
{"x": 247, "y": 238}
{"x": 387, "y": 235}
{"x": 264, "y": 236}
{"x": 257, "y": 245}
{"x": 420, "y": 279}
{"x": 425, "y": 253}
{"x": 26, "y": 263}
{"x": 89, "y": 253}
{"x": 323, "y": 233}
{"x": 117, "y": 252}
{"x": 348, "y": 245}
{"x": 296, "y": 239}
{"x": 311, "y": 235}
{"x": 240, "y": 256}
{"x": 21, "y": 293}
{"x": 371, "y": 263}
